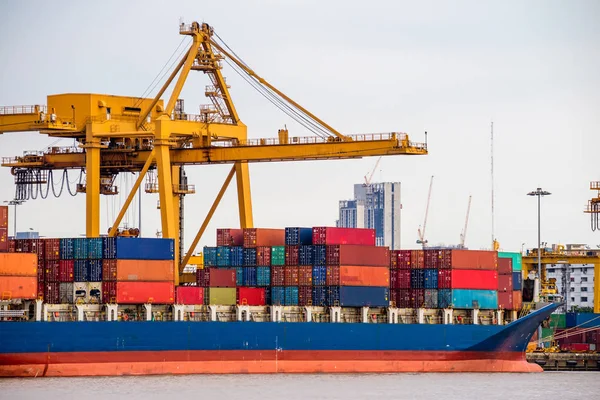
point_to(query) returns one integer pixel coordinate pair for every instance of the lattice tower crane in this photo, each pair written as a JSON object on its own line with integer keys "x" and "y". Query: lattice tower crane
{"x": 463, "y": 235}
{"x": 421, "y": 233}
{"x": 370, "y": 176}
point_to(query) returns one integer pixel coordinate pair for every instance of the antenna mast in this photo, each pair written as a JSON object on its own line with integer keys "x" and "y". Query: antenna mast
{"x": 492, "y": 171}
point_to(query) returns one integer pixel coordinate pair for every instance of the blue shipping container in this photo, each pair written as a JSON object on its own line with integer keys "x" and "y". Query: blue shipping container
{"x": 267, "y": 295}
{"x": 296, "y": 236}
{"x": 249, "y": 257}
{"x": 223, "y": 256}
{"x": 239, "y": 276}
{"x": 237, "y": 256}
{"x": 263, "y": 276}
{"x": 249, "y": 274}
{"x": 319, "y": 296}
{"x": 358, "y": 296}
{"x": 430, "y": 278}
{"x": 582, "y": 320}
{"x": 417, "y": 277}
{"x": 517, "y": 280}
{"x": 145, "y": 249}
{"x": 210, "y": 256}
{"x": 320, "y": 255}
{"x": 80, "y": 249}
{"x": 471, "y": 298}
{"x": 109, "y": 248}
{"x": 66, "y": 249}
{"x": 319, "y": 275}
{"x": 80, "y": 271}
{"x": 291, "y": 295}
{"x": 306, "y": 255}
{"x": 94, "y": 249}
{"x": 94, "y": 270}
{"x": 444, "y": 298}
{"x": 277, "y": 295}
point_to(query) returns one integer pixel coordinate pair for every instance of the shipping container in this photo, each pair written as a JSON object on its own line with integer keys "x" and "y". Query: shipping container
{"x": 557, "y": 320}
{"x": 468, "y": 298}
{"x": 192, "y": 295}
{"x": 263, "y": 276}
{"x": 237, "y": 256}
{"x": 254, "y": 237}
{"x": 239, "y": 276}
{"x": 393, "y": 280}
{"x": 4, "y": 217}
{"x": 431, "y": 298}
{"x": 445, "y": 259}
{"x": 431, "y": 258}
{"x": 210, "y": 256}
{"x": 51, "y": 292}
{"x": 277, "y": 276}
{"x": 305, "y": 296}
{"x": 94, "y": 292}
{"x": 109, "y": 292}
{"x": 268, "y": 295}
{"x": 37, "y": 246}
{"x": 278, "y": 255}
{"x": 505, "y": 266}
{"x": 249, "y": 276}
{"x": 41, "y": 272}
{"x": 305, "y": 276}
{"x": 251, "y": 296}
{"x": 404, "y": 277}
{"x": 292, "y": 256}
{"x": 221, "y": 278}
{"x": 444, "y": 298}
{"x": 18, "y": 287}
{"x": 94, "y": 248}
{"x": 329, "y": 235}
{"x": 505, "y": 283}
{"x": 505, "y": 300}
{"x": 358, "y": 296}
{"x": 80, "y": 292}
{"x": 517, "y": 299}
{"x": 291, "y": 296}
{"x": 474, "y": 279}
{"x": 52, "y": 249}
{"x": 358, "y": 255}
{"x": 319, "y": 296}
{"x": 474, "y": 259}
{"x": 12, "y": 246}
{"x": 403, "y": 298}
{"x": 109, "y": 248}
{"x": 290, "y": 276}
{"x": 249, "y": 257}
{"x": 224, "y": 256}
{"x": 517, "y": 280}
{"x": 319, "y": 275}
{"x": 403, "y": 259}
{"x": 516, "y": 258}
{"x": 4, "y": 241}
{"x": 358, "y": 276}
{"x": 203, "y": 277}
{"x": 230, "y": 237}
{"x": 444, "y": 279}
{"x": 80, "y": 270}
{"x": 394, "y": 258}
{"x": 109, "y": 270}
{"x": 417, "y": 278}
{"x": 320, "y": 257}
{"x": 417, "y": 259}
{"x": 263, "y": 256}
{"x": 582, "y": 320}
{"x": 52, "y": 268}
{"x": 430, "y": 278}
{"x": 95, "y": 269}
{"x": 67, "y": 251}
{"x": 393, "y": 297}
{"x": 306, "y": 255}
{"x": 298, "y": 236}
{"x": 144, "y": 248}
{"x": 145, "y": 292}
{"x": 80, "y": 249}
{"x": 18, "y": 264}
{"x": 66, "y": 268}
{"x": 65, "y": 293}
{"x": 277, "y": 295}
{"x": 40, "y": 290}
{"x": 142, "y": 270}
{"x": 417, "y": 298}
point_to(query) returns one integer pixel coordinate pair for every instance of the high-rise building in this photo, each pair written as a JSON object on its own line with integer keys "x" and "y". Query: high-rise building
{"x": 375, "y": 206}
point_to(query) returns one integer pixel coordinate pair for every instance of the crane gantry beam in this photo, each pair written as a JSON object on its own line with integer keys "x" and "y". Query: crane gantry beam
{"x": 119, "y": 134}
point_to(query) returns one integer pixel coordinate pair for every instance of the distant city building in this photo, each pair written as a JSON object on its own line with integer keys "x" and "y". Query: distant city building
{"x": 28, "y": 235}
{"x": 375, "y": 206}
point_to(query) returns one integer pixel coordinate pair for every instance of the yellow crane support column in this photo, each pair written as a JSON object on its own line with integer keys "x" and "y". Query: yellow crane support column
{"x": 176, "y": 211}
{"x": 242, "y": 175}
{"x": 92, "y": 187}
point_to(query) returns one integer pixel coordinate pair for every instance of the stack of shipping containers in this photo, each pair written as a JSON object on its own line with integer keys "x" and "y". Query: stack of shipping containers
{"x": 517, "y": 277}
{"x": 4, "y": 243}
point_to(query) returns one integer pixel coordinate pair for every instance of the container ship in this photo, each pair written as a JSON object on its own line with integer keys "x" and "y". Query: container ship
{"x": 293, "y": 300}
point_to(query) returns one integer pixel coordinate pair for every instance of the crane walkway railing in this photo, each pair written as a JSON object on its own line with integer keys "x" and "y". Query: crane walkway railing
{"x": 9, "y": 110}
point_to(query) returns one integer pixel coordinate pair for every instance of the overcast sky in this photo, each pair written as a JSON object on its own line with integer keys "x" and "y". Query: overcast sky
{"x": 448, "y": 68}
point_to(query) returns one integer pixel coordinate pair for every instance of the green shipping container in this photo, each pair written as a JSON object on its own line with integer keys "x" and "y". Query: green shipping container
{"x": 278, "y": 255}
{"x": 558, "y": 321}
{"x": 517, "y": 260}
{"x": 222, "y": 296}
{"x": 547, "y": 336}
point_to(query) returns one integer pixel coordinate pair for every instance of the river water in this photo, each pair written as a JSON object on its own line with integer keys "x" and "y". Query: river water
{"x": 547, "y": 386}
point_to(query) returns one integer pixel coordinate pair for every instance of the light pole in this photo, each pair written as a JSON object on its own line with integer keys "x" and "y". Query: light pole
{"x": 539, "y": 193}
{"x": 15, "y": 203}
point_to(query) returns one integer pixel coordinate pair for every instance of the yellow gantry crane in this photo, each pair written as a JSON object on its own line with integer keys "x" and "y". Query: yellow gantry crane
{"x": 117, "y": 134}
{"x": 593, "y": 206}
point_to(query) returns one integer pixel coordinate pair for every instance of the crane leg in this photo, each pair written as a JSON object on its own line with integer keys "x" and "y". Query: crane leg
{"x": 242, "y": 176}
{"x": 92, "y": 190}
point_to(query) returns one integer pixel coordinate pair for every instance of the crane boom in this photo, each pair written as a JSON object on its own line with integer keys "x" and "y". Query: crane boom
{"x": 422, "y": 233}
{"x": 463, "y": 235}
{"x": 370, "y": 177}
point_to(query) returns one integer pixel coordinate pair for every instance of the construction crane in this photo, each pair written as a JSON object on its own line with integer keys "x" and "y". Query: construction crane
{"x": 421, "y": 239}
{"x": 463, "y": 235}
{"x": 370, "y": 176}
{"x": 593, "y": 207}
{"x": 121, "y": 134}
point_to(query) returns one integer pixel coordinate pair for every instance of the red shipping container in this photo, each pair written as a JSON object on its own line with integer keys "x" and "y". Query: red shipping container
{"x": 230, "y": 237}
{"x": 505, "y": 266}
{"x": 359, "y": 236}
{"x": 474, "y": 279}
{"x": 305, "y": 296}
{"x": 505, "y": 283}
{"x": 332, "y": 275}
{"x": 4, "y": 242}
{"x": 52, "y": 249}
{"x": 417, "y": 298}
{"x": 221, "y": 277}
{"x": 277, "y": 276}
{"x": 444, "y": 279}
{"x": 404, "y": 259}
{"x": 40, "y": 287}
{"x": 263, "y": 256}
{"x": 52, "y": 268}
{"x": 290, "y": 276}
{"x": 3, "y": 217}
{"x": 394, "y": 259}
{"x": 109, "y": 292}
{"x": 431, "y": 258}
{"x": 292, "y": 256}
{"x": 403, "y": 298}
{"x": 12, "y": 246}
{"x": 36, "y": 246}
{"x": 23, "y": 246}
{"x": 254, "y": 237}
{"x": 305, "y": 276}
{"x": 251, "y": 296}
{"x": 578, "y": 347}
{"x": 393, "y": 280}
{"x": 417, "y": 259}
{"x": 41, "y": 272}
{"x": 109, "y": 270}
{"x": 65, "y": 268}
{"x": 505, "y": 300}
{"x": 403, "y": 279}
{"x": 145, "y": 292}
{"x": 445, "y": 259}
{"x": 474, "y": 259}
{"x": 51, "y": 293}
{"x": 517, "y": 299}
{"x": 202, "y": 277}
{"x": 358, "y": 255}
{"x": 393, "y": 297}
{"x": 192, "y": 295}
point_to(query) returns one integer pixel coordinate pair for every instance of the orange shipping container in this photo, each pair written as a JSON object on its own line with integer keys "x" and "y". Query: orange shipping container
{"x": 254, "y": 237}
{"x": 145, "y": 292}
{"x": 364, "y": 276}
{"x": 517, "y": 300}
{"x": 18, "y": 287}
{"x": 3, "y": 217}
{"x": 145, "y": 270}
{"x": 18, "y": 264}
{"x": 474, "y": 259}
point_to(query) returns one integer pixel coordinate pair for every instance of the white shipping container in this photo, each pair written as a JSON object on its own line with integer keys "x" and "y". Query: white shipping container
{"x": 80, "y": 292}
{"x": 94, "y": 292}
{"x": 65, "y": 293}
